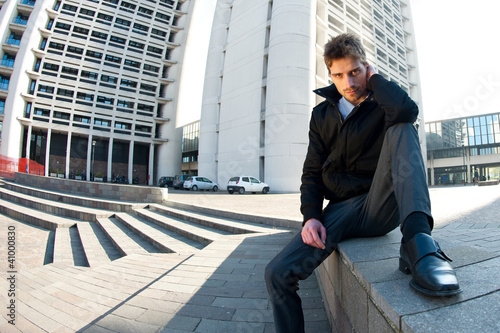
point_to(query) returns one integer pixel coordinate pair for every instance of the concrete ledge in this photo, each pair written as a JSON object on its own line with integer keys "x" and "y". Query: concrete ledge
{"x": 130, "y": 193}
{"x": 364, "y": 291}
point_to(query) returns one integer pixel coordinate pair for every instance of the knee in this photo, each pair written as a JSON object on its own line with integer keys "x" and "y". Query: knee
{"x": 273, "y": 272}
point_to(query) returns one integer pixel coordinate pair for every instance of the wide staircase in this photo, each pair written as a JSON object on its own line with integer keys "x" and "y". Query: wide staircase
{"x": 89, "y": 231}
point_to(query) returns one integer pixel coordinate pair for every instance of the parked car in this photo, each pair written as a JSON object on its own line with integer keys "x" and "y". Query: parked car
{"x": 244, "y": 184}
{"x": 166, "y": 181}
{"x": 179, "y": 180}
{"x": 196, "y": 183}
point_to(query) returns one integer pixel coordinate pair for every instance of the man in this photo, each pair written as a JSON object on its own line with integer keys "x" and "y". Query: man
{"x": 364, "y": 157}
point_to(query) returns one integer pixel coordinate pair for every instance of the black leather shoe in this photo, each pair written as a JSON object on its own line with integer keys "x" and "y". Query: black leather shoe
{"x": 432, "y": 275}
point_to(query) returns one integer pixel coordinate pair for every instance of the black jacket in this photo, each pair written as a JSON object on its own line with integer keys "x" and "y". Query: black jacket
{"x": 343, "y": 153}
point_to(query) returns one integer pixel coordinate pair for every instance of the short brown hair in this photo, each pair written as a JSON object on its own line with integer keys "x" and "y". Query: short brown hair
{"x": 344, "y": 45}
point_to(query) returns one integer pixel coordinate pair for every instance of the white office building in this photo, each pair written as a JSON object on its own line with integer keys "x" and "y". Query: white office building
{"x": 90, "y": 87}
{"x": 264, "y": 61}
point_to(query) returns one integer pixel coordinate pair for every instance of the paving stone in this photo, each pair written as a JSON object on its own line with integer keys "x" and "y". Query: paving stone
{"x": 209, "y": 325}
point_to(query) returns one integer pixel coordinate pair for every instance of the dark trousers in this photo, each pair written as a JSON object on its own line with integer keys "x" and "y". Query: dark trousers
{"x": 399, "y": 188}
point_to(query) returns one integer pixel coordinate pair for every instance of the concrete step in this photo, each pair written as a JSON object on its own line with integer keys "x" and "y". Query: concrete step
{"x": 202, "y": 234}
{"x": 124, "y": 239}
{"x": 212, "y": 221}
{"x": 68, "y": 248}
{"x": 35, "y": 217}
{"x": 53, "y": 207}
{"x": 165, "y": 240}
{"x": 97, "y": 247}
{"x": 74, "y": 199}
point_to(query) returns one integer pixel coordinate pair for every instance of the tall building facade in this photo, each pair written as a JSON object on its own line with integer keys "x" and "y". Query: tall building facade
{"x": 458, "y": 148}
{"x": 264, "y": 61}
{"x": 89, "y": 87}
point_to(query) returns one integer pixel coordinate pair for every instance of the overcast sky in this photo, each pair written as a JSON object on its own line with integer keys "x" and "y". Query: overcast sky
{"x": 459, "y": 56}
{"x": 458, "y": 49}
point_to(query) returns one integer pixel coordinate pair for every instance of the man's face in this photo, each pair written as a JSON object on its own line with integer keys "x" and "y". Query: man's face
{"x": 349, "y": 76}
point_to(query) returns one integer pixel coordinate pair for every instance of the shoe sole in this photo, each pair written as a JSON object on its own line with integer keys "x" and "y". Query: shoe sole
{"x": 405, "y": 268}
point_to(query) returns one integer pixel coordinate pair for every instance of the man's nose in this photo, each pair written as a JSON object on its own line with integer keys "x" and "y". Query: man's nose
{"x": 348, "y": 81}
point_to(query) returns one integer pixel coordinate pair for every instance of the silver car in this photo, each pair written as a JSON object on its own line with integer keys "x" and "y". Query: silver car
{"x": 196, "y": 183}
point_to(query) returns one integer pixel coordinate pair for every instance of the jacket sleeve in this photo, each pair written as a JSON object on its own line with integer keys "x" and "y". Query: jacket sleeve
{"x": 312, "y": 188}
{"x": 397, "y": 105}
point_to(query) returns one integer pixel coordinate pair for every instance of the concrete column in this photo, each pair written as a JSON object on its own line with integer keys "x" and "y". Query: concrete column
{"x": 210, "y": 113}
{"x": 130, "y": 161}
{"x": 68, "y": 154}
{"x": 28, "y": 141}
{"x": 289, "y": 98}
{"x": 151, "y": 161}
{"x": 47, "y": 151}
{"x": 89, "y": 157}
{"x": 110, "y": 160}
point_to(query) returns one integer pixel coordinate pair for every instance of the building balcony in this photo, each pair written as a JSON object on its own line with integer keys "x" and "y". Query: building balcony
{"x": 33, "y": 75}
{"x": 166, "y": 80}
{"x": 163, "y": 99}
{"x": 28, "y": 97}
{"x": 6, "y": 67}
{"x": 26, "y": 6}
{"x": 169, "y": 61}
{"x": 160, "y": 140}
{"x": 45, "y": 33}
{"x": 161, "y": 119}
{"x": 39, "y": 53}
{"x": 52, "y": 13}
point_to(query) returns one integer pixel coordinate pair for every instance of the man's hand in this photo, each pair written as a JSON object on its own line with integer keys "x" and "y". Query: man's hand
{"x": 314, "y": 233}
{"x": 370, "y": 70}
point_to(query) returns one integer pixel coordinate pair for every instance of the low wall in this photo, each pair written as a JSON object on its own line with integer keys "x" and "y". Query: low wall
{"x": 122, "y": 192}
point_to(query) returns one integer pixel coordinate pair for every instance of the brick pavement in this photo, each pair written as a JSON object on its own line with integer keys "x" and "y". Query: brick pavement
{"x": 219, "y": 289}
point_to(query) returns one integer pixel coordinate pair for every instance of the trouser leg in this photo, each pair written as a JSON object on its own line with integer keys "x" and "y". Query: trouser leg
{"x": 298, "y": 260}
{"x": 399, "y": 185}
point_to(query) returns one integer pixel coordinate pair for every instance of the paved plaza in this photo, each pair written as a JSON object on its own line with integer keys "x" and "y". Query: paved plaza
{"x": 218, "y": 289}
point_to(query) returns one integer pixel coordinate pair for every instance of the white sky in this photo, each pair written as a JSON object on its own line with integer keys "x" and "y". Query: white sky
{"x": 458, "y": 49}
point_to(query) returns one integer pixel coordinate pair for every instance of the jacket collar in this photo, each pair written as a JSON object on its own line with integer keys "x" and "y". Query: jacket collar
{"x": 330, "y": 93}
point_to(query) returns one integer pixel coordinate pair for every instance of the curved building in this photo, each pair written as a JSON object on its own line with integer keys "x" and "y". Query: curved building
{"x": 89, "y": 88}
{"x": 264, "y": 61}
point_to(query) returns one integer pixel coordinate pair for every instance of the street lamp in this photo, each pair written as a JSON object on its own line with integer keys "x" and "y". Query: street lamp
{"x": 465, "y": 166}
{"x": 93, "y": 158}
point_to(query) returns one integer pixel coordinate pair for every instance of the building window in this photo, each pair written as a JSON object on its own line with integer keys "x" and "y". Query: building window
{"x": 136, "y": 45}
{"x": 51, "y": 67}
{"x": 155, "y": 49}
{"x": 57, "y": 46}
{"x": 69, "y": 70}
{"x": 148, "y": 87}
{"x": 113, "y": 59}
{"x": 99, "y": 34}
{"x": 143, "y": 128}
{"x": 105, "y": 100}
{"x": 87, "y": 12}
{"x": 125, "y": 104}
{"x": 94, "y": 54}
{"x": 127, "y": 5}
{"x": 105, "y": 17}
{"x": 122, "y": 22}
{"x": 61, "y": 115}
{"x": 102, "y": 122}
{"x": 141, "y": 27}
{"x": 151, "y": 68}
{"x": 74, "y": 49}
{"x": 145, "y": 107}
{"x": 70, "y": 8}
{"x": 128, "y": 83}
{"x": 85, "y": 96}
{"x": 2, "y": 106}
{"x": 110, "y": 79}
{"x": 163, "y": 16}
{"x": 117, "y": 40}
{"x": 158, "y": 32}
{"x": 42, "y": 112}
{"x": 124, "y": 126}
{"x": 132, "y": 63}
{"x": 65, "y": 92}
{"x": 145, "y": 11}
{"x": 90, "y": 75}
{"x": 80, "y": 30}
{"x": 45, "y": 89}
{"x": 81, "y": 119}
{"x": 63, "y": 26}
